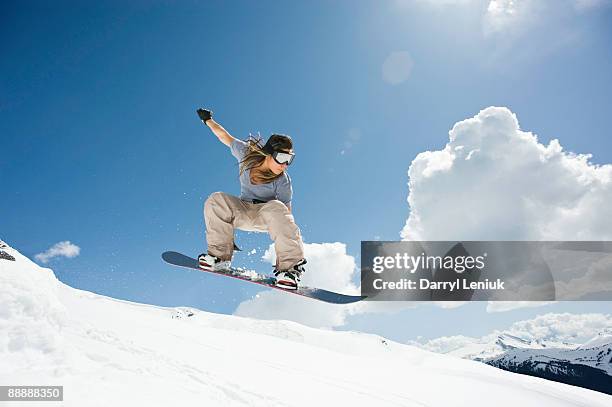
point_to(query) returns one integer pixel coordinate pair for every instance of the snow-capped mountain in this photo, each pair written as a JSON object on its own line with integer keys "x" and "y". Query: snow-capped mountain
{"x": 492, "y": 346}
{"x": 106, "y": 351}
{"x": 603, "y": 338}
{"x": 588, "y": 365}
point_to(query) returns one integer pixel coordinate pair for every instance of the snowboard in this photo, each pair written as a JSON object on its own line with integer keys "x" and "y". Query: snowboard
{"x": 181, "y": 260}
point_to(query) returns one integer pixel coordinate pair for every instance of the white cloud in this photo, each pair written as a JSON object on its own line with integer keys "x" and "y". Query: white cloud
{"x": 397, "y": 67}
{"x": 449, "y": 304}
{"x": 61, "y": 249}
{"x": 328, "y": 267}
{"x": 565, "y": 327}
{"x": 551, "y": 327}
{"x": 503, "y": 306}
{"x": 446, "y": 344}
{"x": 595, "y": 277}
{"x": 493, "y": 181}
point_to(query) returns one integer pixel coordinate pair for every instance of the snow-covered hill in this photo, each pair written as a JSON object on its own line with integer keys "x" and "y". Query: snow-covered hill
{"x": 106, "y": 351}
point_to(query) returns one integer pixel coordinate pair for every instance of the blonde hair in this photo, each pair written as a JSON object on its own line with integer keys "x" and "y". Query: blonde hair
{"x": 254, "y": 157}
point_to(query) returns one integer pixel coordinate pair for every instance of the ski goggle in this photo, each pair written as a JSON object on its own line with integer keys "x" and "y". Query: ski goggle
{"x": 283, "y": 158}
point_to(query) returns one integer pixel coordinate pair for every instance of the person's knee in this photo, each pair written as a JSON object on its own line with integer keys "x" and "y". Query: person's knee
{"x": 214, "y": 198}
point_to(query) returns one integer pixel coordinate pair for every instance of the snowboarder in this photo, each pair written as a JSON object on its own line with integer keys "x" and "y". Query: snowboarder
{"x": 264, "y": 205}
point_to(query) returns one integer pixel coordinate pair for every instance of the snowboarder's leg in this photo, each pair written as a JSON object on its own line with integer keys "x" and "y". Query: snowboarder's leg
{"x": 284, "y": 232}
{"x": 221, "y": 212}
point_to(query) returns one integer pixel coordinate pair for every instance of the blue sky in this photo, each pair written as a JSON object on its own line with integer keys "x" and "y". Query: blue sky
{"x": 101, "y": 145}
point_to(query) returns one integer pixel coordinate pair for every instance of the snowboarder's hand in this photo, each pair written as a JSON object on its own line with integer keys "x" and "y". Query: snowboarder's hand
{"x": 204, "y": 114}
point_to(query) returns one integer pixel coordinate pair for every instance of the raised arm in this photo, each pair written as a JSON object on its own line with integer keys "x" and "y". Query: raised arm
{"x": 217, "y": 129}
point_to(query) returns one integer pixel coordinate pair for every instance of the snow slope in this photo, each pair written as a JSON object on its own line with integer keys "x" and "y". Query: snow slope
{"x": 106, "y": 351}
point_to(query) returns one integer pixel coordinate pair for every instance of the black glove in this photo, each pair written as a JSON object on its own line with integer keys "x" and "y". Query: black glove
{"x": 204, "y": 114}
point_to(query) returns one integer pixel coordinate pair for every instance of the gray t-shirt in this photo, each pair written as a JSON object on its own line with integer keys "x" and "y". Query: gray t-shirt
{"x": 279, "y": 189}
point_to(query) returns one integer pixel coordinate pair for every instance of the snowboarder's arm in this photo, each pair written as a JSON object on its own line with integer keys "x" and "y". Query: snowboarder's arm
{"x": 220, "y": 132}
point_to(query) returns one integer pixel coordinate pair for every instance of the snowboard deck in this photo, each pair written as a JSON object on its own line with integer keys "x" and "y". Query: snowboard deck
{"x": 181, "y": 260}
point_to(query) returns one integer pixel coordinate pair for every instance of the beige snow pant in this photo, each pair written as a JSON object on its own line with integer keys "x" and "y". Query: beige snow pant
{"x": 223, "y": 213}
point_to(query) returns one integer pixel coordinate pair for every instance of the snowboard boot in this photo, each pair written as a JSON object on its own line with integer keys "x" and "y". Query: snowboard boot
{"x": 289, "y": 279}
{"x": 212, "y": 263}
